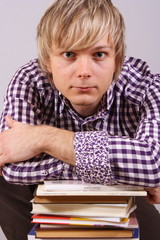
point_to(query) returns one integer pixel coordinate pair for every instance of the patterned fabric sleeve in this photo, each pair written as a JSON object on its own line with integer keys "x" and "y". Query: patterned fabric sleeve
{"x": 107, "y": 159}
{"x": 23, "y": 103}
{"x": 92, "y": 157}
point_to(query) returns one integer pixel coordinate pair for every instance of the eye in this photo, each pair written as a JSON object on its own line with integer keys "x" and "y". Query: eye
{"x": 99, "y": 55}
{"x": 69, "y": 54}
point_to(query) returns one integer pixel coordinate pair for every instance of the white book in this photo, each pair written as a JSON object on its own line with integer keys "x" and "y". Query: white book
{"x": 79, "y": 188}
{"x": 79, "y": 222}
{"x": 87, "y": 210}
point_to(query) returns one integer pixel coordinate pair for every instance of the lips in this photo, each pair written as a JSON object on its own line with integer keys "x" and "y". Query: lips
{"x": 83, "y": 88}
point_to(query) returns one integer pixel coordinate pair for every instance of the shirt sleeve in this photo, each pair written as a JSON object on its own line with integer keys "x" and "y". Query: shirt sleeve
{"x": 112, "y": 159}
{"x": 24, "y": 103}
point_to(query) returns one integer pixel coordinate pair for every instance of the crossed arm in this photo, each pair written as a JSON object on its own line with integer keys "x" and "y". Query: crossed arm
{"x": 23, "y": 141}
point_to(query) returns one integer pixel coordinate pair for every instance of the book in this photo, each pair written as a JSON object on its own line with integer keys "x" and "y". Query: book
{"x": 111, "y": 200}
{"x": 88, "y": 210}
{"x": 81, "y": 199}
{"x": 32, "y": 236}
{"x": 75, "y": 208}
{"x": 119, "y": 201}
{"x": 130, "y": 222}
{"x": 79, "y": 188}
{"x": 79, "y": 185}
{"x": 52, "y": 219}
{"x": 63, "y": 232}
{"x": 106, "y": 219}
{"x": 83, "y": 233}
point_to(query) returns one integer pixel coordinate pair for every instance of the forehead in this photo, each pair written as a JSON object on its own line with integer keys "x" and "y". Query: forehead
{"x": 102, "y": 43}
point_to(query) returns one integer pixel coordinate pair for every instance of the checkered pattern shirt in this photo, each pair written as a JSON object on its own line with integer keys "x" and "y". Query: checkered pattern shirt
{"x": 118, "y": 144}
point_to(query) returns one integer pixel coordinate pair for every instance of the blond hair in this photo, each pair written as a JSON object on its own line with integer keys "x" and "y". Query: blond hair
{"x": 78, "y": 24}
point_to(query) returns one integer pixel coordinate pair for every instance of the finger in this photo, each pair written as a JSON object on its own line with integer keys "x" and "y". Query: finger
{"x": 153, "y": 201}
{"x": 150, "y": 200}
{"x": 10, "y": 121}
{"x": 153, "y": 198}
{"x": 151, "y": 191}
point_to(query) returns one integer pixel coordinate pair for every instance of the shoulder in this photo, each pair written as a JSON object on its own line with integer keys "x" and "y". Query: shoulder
{"x": 30, "y": 76}
{"x": 135, "y": 79}
{"x": 30, "y": 84}
{"x": 31, "y": 73}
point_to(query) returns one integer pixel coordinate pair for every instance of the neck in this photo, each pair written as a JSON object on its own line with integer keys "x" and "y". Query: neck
{"x": 85, "y": 111}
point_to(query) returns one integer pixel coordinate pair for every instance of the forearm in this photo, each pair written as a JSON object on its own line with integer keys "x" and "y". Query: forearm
{"x": 58, "y": 143}
{"x": 23, "y": 141}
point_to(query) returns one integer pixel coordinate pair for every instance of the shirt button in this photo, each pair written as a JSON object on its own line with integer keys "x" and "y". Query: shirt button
{"x": 44, "y": 173}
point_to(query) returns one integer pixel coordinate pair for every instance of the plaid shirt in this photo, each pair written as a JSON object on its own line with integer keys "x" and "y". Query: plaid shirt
{"x": 118, "y": 144}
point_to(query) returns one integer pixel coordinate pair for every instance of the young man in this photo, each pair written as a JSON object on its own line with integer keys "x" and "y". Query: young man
{"x": 82, "y": 110}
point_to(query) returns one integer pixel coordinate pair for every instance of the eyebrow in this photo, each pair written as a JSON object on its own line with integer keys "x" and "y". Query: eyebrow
{"x": 93, "y": 48}
{"x": 101, "y": 47}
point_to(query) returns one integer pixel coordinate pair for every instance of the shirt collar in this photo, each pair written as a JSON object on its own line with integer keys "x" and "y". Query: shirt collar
{"x": 110, "y": 95}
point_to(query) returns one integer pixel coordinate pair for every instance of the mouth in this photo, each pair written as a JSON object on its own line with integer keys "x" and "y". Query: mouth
{"x": 83, "y": 89}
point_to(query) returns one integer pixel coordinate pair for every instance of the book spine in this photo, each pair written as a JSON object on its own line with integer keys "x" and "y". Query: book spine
{"x": 135, "y": 233}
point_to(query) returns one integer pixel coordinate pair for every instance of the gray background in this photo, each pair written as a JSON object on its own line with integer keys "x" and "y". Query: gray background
{"x": 18, "y": 21}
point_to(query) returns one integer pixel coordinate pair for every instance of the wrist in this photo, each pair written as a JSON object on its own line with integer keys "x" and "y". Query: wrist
{"x": 44, "y": 132}
{"x": 57, "y": 143}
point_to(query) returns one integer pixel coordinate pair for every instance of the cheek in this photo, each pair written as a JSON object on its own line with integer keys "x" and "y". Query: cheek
{"x": 60, "y": 82}
{"x": 62, "y": 71}
{"x": 105, "y": 82}
{"x": 62, "y": 64}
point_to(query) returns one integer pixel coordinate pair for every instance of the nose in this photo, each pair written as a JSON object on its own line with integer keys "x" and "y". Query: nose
{"x": 83, "y": 68}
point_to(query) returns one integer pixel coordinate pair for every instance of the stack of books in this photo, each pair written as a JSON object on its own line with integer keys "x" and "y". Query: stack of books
{"x": 71, "y": 209}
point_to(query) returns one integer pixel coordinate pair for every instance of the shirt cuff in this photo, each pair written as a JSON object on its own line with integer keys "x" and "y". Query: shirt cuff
{"x": 92, "y": 163}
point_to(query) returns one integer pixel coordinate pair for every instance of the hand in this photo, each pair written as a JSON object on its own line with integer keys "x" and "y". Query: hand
{"x": 24, "y": 141}
{"x": 19, "y": 142}
{"x": 153, "y": 195}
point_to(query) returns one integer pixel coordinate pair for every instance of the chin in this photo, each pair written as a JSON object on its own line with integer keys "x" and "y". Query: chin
{"x": 84, "y": 101}
{"x": 84, "y": 104}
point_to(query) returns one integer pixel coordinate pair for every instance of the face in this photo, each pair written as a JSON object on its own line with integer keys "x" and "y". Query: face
{"x": 83, "y": 76}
